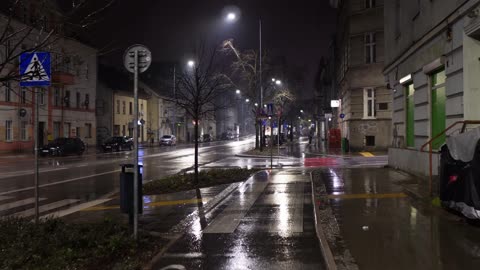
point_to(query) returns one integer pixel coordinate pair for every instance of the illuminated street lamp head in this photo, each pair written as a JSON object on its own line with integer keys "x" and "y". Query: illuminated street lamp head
{"x": 256, "y": 104}
{"x": 269, "y": 117}
{"x": 265, "y": 105}
{"x": 247, "y": 100}
{"x": 273, "y": 80}
{"x": 299, "y": 117}
{"x": 301, "y": 111}
{"x": 278, "y": 82}
{"x": 237, "y": 91}
{"x": 309, "y": 120}
{"x": 231, "y": 17}
{"x": 191, "y": 63}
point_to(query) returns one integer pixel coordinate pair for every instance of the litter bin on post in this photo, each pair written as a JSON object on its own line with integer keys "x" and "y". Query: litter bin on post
{"x": 126, "y": 190}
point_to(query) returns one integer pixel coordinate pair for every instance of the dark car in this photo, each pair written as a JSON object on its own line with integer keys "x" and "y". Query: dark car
{"x": 207, "y": 138}
{"x": 63, "y": 146}
{"x": 118, "y": 143}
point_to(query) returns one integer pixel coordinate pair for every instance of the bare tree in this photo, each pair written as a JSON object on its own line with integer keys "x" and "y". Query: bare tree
{"x": 246, "y": 75}
{"x": 29, "y": 26}
{"x": 199, "y": 88}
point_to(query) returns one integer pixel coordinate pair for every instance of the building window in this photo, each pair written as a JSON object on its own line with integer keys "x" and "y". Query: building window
{"x": 78, "y": 100}
{"x": 370, "y": 48}
{"x": 124, "y": 106}
{"x": 42, "y": 97}
{"x": 23, "y": 97}
{"x": 88, "y": 128}
{"x": 66, "y": 130}
{"x": 369, "y": 103}
{"x": 77, "y": 132}
{"x": 56, "y": 130}
{"x": 8, "y": 92}
{"x": 130, "y": 110}
{"x": 118, "y": 106}
{"x": 141, "y": 108}
{"x": 66, "y": 99}
{"x": 23, "y": 130}
{"x": 383, "y": 106}
{"x": 87, "y": 101}
{"x": 116, "y": 130}
{"x": 410, "y": 110}
{"x": 370, "y": 140}
{"x": 438, "y": 98}
{"x": 8, "y": 131}
{"x": 123, "y": 130}
{"x": 56, "y": 97}
{"x": 369, "y": 3}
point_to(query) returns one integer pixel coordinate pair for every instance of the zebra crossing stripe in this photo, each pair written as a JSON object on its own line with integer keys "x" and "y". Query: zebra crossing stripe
{"x": 8, "y": 206}
{"x": 46, "y": 207}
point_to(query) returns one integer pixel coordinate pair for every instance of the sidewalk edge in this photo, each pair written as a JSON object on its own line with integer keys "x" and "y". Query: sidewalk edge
{"x": 322, "y": 239}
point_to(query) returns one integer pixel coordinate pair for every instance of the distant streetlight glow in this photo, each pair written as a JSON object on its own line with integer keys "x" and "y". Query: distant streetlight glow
{"x": 301, "y": 111}
{"x": 231, "y": 17}
{"x": 247, "y": 100}
{"x": 278, "y": 82}
{"x": 273, "y": 80}
{"x": 256, "y": 104}
{"x": 238, "y": 91}
{"x": 191, "y": 63}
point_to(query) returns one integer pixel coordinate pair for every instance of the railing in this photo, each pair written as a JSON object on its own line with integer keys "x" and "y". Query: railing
{"x": 429, "y": 143}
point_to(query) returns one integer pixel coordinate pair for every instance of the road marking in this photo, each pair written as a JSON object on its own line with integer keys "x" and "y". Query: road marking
{"x": 59, "y": 182}
{"x": 46, "y": 207}
{"x": 367, "y": 196}
{"x": 148, "y": 205}
{"x": 229, "y": 219}
{"x": 2, "y": 198}
{"x": 19, "y": 203}
{"x": 367, "y": 154}
{"x": 77, "y": 208}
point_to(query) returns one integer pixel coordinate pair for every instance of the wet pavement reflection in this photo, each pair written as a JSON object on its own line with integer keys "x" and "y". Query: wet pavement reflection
{"x": 384, "y": 229}
{"x": 267, "y": 223}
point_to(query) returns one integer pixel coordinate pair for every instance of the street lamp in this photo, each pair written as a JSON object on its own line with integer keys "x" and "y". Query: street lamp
{"x": 238, "y": 92}
{"x": 191, "y": 63}
{"x": 301, "y": 111}
{"x": 247, "y": 100}
{"x": 273, "y": 80}
{"x": 231, "y": 17}
{"x": 256, "y": 104}
{"x": 278, "y": 82}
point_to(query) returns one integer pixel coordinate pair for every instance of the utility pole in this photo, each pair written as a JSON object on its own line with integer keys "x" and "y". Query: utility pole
{"x": 174, "y": 131}
{"x": 36, "y": 95}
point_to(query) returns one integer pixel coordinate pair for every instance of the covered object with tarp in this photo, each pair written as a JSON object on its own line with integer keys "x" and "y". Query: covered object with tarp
{"x": 460, "y": 173}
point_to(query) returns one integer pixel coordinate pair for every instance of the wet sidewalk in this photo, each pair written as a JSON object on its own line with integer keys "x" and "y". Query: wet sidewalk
{"x": 265, "y": 222}
{"x": 372, "y": 223}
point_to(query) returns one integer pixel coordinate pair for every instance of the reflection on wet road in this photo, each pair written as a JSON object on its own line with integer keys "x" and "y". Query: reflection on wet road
{"x": 267, "y": 223}
{"x": 384, "y": 229}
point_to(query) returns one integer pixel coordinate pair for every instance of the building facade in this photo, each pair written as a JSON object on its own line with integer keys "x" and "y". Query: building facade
{"x": 432, "y": 67}
{"x": 365, "y": 101}
{"x": 66, "y": 108}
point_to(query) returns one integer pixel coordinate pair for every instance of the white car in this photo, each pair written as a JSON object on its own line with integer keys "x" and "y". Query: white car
{"x": 169, "y": 140}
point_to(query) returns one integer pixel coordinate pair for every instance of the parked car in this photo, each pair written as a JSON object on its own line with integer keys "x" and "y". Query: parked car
{"x": 63, "y": 146}
{"x": 118, "y": 143}
{"x": 207, "y": 138}
{"x": 169, "y": 140}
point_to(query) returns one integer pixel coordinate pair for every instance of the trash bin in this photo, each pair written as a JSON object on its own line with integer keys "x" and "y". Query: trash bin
{"x": 126, "y": 189}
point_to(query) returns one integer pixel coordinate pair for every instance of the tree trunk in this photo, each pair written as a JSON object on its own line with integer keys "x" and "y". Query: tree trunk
{"x": 196, "y": 151}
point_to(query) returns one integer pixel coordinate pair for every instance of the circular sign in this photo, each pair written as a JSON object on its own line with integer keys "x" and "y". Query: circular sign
{"x": 144, "y": 58}
{"x": 342, "y": 115}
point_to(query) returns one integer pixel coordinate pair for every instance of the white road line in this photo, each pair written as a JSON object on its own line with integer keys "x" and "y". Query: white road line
{"x": 19, "y": 203}
{"x": 77, "y": 208}
{"x": 46, "y": 207}
{"x": 59, "y": 182}
{"x": 2, "y": 198}
{"x": 227, "y": 221}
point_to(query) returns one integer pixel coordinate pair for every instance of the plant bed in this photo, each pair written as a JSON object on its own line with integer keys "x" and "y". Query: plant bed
{"x": 55, "y": 244}
{"x": 265, "y": 152}
{"x": 207, "y": 178}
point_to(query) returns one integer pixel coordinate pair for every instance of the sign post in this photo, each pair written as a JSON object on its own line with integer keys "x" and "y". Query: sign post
{"x": 35, "y": 72}
{"x": 137, "y": 59}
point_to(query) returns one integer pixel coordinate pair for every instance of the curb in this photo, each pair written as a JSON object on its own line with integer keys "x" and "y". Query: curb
{"x": 254, "y": 156}
{"x": 322, "y": 239}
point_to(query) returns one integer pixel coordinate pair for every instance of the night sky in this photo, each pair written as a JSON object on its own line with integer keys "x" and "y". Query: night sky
{"x": 300, "y": 30}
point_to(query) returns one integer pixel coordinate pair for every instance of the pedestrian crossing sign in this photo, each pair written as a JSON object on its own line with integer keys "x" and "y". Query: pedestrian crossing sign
{"x": 35, "y": 69}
